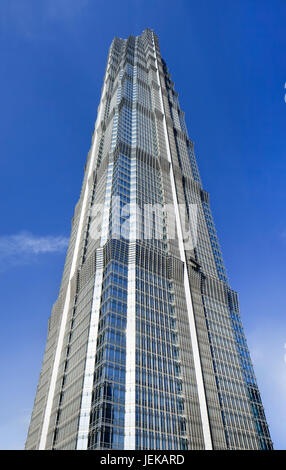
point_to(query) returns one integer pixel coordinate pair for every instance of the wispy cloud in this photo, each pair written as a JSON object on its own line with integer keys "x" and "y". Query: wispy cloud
{"x": 65, "y": 9}
{"x": 24, "y": 245}
{"x": 30, "y": 19}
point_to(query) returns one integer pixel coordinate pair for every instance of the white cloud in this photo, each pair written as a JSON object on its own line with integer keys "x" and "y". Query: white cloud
{"x": 24, "y": 244}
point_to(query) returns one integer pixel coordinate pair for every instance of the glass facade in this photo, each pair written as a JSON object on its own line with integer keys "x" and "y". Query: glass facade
{"x": 145, "y": 346}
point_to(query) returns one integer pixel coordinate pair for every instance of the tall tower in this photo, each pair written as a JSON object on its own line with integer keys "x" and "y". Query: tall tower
{"x": 145, "y": 346}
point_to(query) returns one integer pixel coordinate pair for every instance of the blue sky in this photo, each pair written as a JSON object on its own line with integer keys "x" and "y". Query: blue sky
{"x": 228, "y": 62}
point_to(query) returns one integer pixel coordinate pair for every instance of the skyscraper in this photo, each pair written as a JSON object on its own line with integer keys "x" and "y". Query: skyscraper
{"x": 145, "y": 346}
